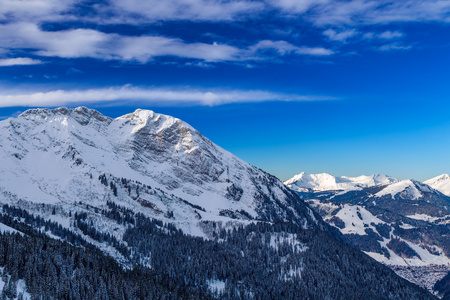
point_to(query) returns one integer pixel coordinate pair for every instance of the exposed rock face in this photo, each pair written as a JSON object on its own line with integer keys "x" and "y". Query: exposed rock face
{"x": 57, "y": 157}
{"x": 150, "y": 190}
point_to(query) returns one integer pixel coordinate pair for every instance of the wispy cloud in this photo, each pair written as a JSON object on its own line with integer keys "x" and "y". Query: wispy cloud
{"x": 157, "y": 96}
{"x": 90, "y": 43}
{"x": 19, "y": 61}
{"x": 283, "y": 48}
{"x": 394, "y": 47}
{"x": 389, "y": 35}
{"x": 295, "y": 6}
{"x": 22, "y": 27}
{"x": 320, "y": 12}
{"x": 341, "y": 36}
{"x": 135, "y": 11}
{"x": 385, "y": 35}
{"x": 370, "y": 12}
{"x": 36, "y": 10}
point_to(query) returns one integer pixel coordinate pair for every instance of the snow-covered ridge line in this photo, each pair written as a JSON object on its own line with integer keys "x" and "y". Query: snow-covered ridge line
{"x": 440, "y": 183}
{"x": 58, "y": 156}
{"x": 322, "y": 182}
{"x": 305, "y": 182}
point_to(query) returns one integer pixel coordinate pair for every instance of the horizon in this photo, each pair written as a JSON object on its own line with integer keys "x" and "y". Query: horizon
{"x": 339, "y": 87}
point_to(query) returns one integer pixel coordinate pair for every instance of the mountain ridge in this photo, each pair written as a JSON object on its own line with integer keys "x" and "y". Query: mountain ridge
{"x": 149, "y": 190}
{"x": 440, "y": 183}
{"x": 154, "y": 149}
{"x": 404, "y": 224}
{"x": 303, "y": 182}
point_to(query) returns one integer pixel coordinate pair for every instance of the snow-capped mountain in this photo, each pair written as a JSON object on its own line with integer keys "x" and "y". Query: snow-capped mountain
{"x": 144, "y": 161}
{"x": 405, "y": 225}
{"x": 440, "y": 183}
{"x": 150, "y": 190}
{"x": 325, "y": 182}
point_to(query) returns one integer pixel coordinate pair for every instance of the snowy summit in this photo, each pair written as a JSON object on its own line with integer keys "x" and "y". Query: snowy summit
{"x": 440, "y": 183}
{"x": 325, "y": 182}
{"x": 147, "y": 162}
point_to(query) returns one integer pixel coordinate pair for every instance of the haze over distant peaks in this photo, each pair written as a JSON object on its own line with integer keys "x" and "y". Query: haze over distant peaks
{"x": 324, "y": 182}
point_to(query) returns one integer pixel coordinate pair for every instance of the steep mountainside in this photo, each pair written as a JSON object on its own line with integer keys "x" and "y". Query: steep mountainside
{"x": 405, "y": 224}
{"x": 144, "y": 161}
{"x": 150, "y": 190}
{"x": 305, "y": 182}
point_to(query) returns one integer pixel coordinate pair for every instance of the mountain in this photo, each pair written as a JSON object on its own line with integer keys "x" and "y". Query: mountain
{"x": 325, "y": 182}
{"x": 405, "y": 225}
{"x": 440, "y": 183}
{"x": 157, "y": 196}
{"x": 145, "y": 161}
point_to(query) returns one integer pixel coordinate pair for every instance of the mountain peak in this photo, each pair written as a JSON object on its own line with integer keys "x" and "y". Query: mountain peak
{"x": 158, "y": 122}
{"x": 156, "y": 163}
{"x": 406, "y": 189}
{"x": 82, "y": 115}
{"x": 440, "y": 183}
{"x": 325, "y": 181}
{"x": 442, "y": 177}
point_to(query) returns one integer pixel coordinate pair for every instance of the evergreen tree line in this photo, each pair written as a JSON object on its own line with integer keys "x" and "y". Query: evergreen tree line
{"x": 314, "y": 266}
{"x": 53, "y": 269}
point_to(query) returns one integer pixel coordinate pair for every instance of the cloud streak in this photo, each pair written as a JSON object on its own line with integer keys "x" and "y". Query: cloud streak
{"x": 319, "y": 12}
{"x": 136, "y": 11}
{"x": 19, "y": 61}
{"x": 341, "y": 36}
{"x": 340, "y": 21}
{"x": 156, "y": 96}
{"x": 76, "y": 43}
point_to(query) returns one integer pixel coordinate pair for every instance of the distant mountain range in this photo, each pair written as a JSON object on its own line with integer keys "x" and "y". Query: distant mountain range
{"x": 404, "y": 224}
{"x": 153, "y": 193}
{"x": 304, "y": 182}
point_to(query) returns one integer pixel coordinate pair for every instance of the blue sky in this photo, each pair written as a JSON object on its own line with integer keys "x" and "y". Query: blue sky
{"x": 345, "y": 87}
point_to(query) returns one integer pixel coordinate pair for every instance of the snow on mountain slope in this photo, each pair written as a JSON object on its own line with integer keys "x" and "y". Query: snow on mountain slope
{"x": 146, "y": 162}
{"x": 323, "y": 182}
{"x": 406, "y": 189}
{"x": 405, "y": 225}
{"x": 440, "y": 183}
{"x": 361, "y": 224}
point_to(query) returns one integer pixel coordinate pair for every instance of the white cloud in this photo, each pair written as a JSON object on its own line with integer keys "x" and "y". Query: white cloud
{"x": 320, "y": 12}
{"x": 340, "y": 36}
{"x": 393, "y": 46}
{"x": 108, "y": 46}
{"x": 296, "y": 6}
{"x": 136, "y": 11}
{"x": 389, "y": 35}
{"x": 161, "y": 96}
{"x": 19, "y": 61}
{"x": 20, "y": 21}
{"x": 283, "y": 48}
{"x": 35, "y": 10}
{"x": 372, "y": 12}
{"x": 386, "y": 35}
{"x": 90, "y": 43}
